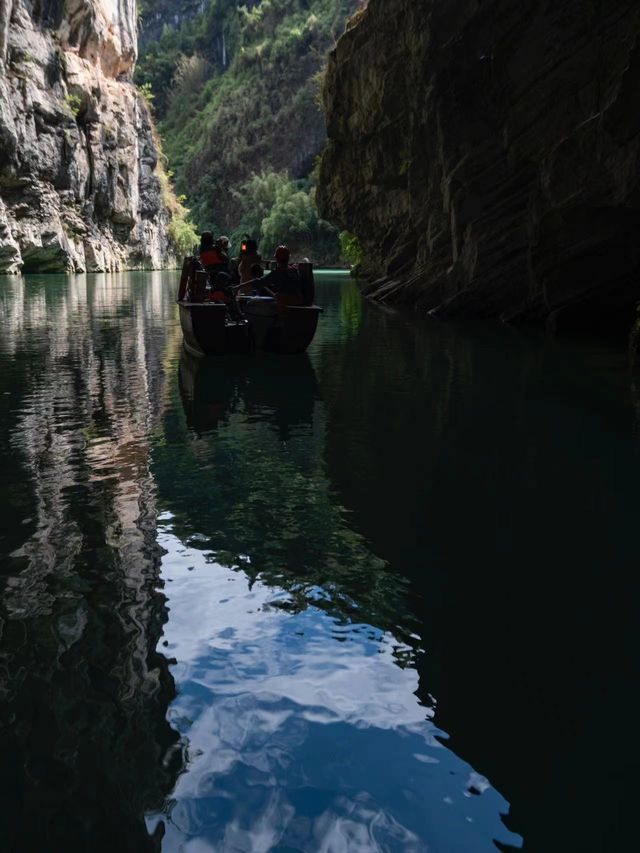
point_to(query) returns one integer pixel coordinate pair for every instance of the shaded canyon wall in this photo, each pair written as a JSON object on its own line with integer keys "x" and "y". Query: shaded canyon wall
{"x": 78, "y": 189}
{"x": 486, "y": 154}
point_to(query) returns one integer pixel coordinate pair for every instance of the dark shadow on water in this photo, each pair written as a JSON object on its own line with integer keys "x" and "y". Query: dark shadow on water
{"x": 512, "y": 465}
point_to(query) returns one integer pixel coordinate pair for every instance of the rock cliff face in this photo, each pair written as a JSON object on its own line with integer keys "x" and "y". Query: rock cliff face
{"x": 487, "y": 155}
{"x": 78, "y": 190}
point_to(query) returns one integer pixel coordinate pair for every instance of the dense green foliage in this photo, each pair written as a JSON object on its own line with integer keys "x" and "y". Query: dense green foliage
{"x": 280, "y": 210}
{"x": 351, "y": 249}
{"x": 235, "y": 90}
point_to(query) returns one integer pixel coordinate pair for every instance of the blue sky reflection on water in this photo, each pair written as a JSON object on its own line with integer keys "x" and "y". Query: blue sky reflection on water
{"x": 303, "y": 732}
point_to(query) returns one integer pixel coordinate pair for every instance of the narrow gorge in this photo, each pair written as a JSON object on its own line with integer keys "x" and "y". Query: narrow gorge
{"x": 486, "y": 155}
{"x": 79, "y": 189}
{"x": 235, "y": 88}
{"x": 319, "y": 426}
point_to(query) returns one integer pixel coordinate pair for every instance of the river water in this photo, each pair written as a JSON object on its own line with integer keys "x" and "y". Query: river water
{"x": 379, "y": 597}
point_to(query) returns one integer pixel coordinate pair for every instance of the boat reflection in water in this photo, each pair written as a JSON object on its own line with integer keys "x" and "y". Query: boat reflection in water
{"x": 282, "y": 392}
{"x": 296, "y": 648}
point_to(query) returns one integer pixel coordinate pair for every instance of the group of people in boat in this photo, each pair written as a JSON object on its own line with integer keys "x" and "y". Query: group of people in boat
{"x": 246, "y": 275}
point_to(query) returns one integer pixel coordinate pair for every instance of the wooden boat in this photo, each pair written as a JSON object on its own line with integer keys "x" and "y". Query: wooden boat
{"x": 209, "y": 329}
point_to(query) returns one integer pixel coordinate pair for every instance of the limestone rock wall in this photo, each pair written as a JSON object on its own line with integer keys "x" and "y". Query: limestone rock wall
{"x": 487, "y": 154}
{"x": 78, "y": 189}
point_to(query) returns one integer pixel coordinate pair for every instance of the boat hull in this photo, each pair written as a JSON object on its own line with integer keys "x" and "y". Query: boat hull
{"x": 288, "y": 331}
{"x": 213, "y": 328}
{"x": 207, "y": 330}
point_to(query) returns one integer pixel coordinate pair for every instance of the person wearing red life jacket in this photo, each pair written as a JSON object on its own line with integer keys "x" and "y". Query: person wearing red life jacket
{"x": 214, "y": 254}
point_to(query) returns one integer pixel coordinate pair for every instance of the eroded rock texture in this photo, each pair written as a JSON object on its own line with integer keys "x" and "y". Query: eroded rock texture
{"x": 78, "y": 190}
{"x": 487, "y": 155}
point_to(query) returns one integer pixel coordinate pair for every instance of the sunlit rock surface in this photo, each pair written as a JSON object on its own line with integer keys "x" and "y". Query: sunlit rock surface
{"x": 486, "y": 155}
{"x": 78, "y": 190}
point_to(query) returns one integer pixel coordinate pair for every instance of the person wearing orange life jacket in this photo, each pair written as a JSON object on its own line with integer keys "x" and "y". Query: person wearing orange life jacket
{"x": 284, "y": 280}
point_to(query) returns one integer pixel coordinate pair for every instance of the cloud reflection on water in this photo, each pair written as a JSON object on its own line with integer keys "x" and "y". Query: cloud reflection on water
{"x": 303, "y": 733}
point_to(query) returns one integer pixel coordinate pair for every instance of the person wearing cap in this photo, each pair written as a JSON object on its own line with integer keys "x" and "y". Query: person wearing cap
{"x": 284, "y": 280}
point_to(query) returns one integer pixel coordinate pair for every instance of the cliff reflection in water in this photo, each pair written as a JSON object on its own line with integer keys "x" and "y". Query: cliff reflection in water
{"x": 86, "y": 748}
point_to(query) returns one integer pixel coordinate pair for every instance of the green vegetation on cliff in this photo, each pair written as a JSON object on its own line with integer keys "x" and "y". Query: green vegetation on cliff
{"x": 235, "y": 91}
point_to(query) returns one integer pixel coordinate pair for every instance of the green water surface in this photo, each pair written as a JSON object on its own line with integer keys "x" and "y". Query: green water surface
{"x": 382, "y": 596}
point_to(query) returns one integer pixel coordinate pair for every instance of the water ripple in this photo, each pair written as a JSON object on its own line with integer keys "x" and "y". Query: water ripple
{"x": 297, "y": 741}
